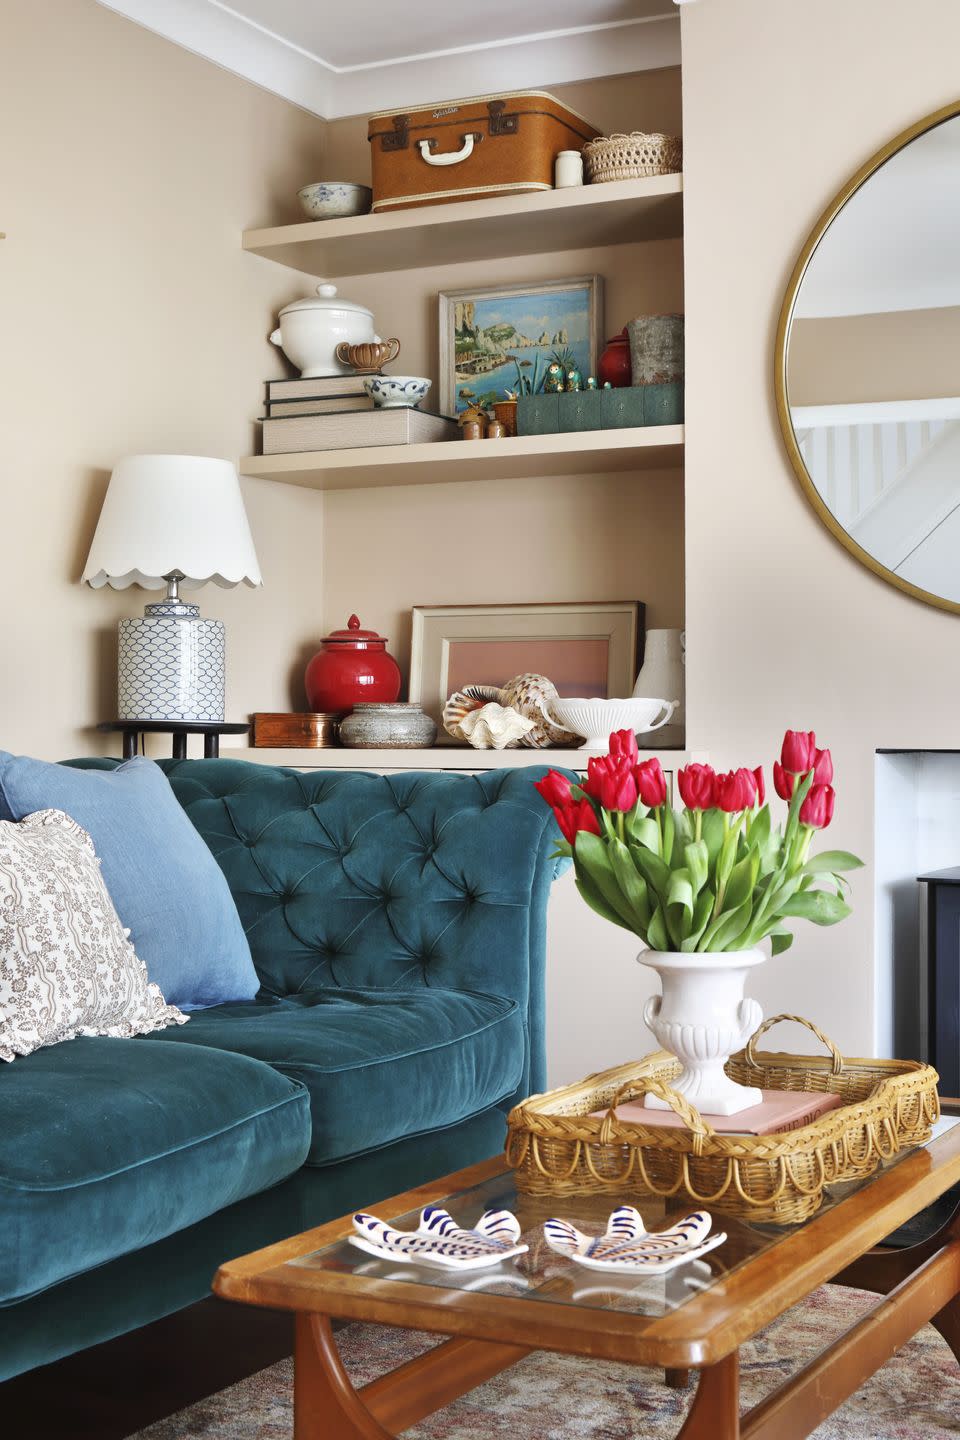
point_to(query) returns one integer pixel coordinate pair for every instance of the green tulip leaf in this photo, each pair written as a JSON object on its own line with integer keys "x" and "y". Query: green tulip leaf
{"x": 680, "y": 891}
{"x": 592, "y": 863}
{"x": 831, "y": 860}
{"x": 701, "y": 916}
{"x": 697, "y": 863}
{"x": 631, "y": 883}
{"x": 728, "y": 930}
{"x": 658, "y": 937}
{"x": 645, "y": 832}
{"x": 713, "y": 833}
{"x": 600, "y": 906}
{"x": 780, "y": 940}
{"x": 669, "y": 824}
{"x": 652, "y": 868}
{"x": 820, "y": 906}
{"x": 743, "y": 877}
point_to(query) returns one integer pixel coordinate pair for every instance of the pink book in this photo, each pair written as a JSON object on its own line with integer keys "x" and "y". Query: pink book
{"x": 780, "y": 1111}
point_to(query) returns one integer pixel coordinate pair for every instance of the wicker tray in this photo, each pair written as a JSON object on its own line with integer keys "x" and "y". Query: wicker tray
{"x": 558, "y": 1148}
{"x": 628, "y": 157}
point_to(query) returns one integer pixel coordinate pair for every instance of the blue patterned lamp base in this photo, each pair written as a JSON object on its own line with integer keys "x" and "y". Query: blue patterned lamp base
{"x": 171, "y": 665}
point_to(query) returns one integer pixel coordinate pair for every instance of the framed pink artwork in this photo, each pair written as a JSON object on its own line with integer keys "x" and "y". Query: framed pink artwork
{"x": 586, "y": 648}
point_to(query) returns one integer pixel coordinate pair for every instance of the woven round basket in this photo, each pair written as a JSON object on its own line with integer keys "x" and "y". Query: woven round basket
{"x": 559, "y": 1145}
{"x": 628, "y": 157}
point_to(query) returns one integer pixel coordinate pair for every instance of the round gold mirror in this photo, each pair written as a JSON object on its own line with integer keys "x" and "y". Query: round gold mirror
{"x": 868, "y": 363}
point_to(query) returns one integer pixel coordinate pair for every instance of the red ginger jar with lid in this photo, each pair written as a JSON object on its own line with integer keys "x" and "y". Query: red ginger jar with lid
{"x": 615, "y": 363}
{"x": 351, "y": 667}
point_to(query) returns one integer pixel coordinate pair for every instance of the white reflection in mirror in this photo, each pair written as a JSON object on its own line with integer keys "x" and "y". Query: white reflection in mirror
{"x": 873, "y": 364}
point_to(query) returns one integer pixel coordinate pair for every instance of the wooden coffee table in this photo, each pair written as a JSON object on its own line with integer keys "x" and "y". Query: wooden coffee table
{"x": 697, "y": 1317}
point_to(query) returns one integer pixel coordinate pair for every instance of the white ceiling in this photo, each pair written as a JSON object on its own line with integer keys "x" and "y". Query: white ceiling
{"x": 895, "y": 245}
{"x": 336, "y": 58}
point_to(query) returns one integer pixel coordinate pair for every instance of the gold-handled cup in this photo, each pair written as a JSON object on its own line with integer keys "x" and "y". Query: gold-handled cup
{"x": 369, "y": 356}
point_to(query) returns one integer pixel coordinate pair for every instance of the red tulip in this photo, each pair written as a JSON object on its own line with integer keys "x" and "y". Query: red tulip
{"x": 822, "y": 768}
{"x": 623, "y": 745}
{"x": 554, "y": 787}
{"x": 761, "y": 787}
{"x": 697, "y": 785}
{"x": 736, "y": 790}
{"x": 578, "y": 815}
{"x": 783, "y": 782}
{"x": 651, "y": 783}
{"x": 799, "y": 751}
{"x": 610, "y": 782}
{"x": 817, "y": 809}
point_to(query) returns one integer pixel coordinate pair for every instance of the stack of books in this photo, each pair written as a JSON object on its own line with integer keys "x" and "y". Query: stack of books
{"x": 334, "y": 412}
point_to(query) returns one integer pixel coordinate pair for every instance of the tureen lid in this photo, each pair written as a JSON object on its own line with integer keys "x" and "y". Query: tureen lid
{"x": 354, "y": 635}
{"x": 327, "y": 299}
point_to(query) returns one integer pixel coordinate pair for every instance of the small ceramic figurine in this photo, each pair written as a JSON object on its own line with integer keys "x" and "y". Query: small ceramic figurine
{"x": 553, "y": 380}
{"x": 607, "y": 385}
{"x": 574, "y": 380}
{"x": 591, "y": 382}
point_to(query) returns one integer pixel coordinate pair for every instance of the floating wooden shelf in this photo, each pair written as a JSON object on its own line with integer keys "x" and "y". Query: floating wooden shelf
{"x": 617, "y": 213}
{"x": 439, "y": 757}
{"x": 588, "y": 452}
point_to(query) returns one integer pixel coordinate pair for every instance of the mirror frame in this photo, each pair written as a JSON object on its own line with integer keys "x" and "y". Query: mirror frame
{"x": 929, "y": 122}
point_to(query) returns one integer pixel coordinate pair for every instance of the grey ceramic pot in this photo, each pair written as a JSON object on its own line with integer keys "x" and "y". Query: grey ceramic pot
{"x": 387, "y": 727}
{"x": 656, "y": 349}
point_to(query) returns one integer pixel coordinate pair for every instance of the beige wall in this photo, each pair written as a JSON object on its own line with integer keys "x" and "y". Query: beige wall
{"x": 133, "y": 321}
{"x": 898, "y": 355}
{"x": 783, "y": 627}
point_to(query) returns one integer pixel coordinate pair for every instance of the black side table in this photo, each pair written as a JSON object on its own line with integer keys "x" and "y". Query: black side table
{"x": 943, "y": 975}
{"x": 133, "y": 729}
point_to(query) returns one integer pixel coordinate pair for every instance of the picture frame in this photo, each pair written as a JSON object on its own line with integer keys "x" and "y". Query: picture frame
{"x": 592, "y": 647}
{"x": 539, "y": 313}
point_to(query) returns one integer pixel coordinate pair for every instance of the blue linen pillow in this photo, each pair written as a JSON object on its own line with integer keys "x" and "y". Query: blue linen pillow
{"x": 166, "y": 885}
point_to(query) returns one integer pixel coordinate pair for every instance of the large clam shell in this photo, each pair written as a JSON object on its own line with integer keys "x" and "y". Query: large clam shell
{"x": 495, "y": 727}
{"x": 528, "y": 693}
{"x": 462, "y": 702}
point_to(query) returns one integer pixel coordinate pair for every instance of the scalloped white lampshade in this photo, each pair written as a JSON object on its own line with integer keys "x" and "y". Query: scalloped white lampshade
{"x": 171, "y": 520}
{"x": 169, "y": 514}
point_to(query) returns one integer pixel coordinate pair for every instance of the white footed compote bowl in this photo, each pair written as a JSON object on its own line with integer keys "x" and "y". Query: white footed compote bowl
{"x": 595, "y": 719}
{"x": 702, "y": 1017}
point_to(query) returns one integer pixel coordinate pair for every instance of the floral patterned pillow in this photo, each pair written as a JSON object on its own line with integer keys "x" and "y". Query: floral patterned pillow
{"x": 67, "y": 967}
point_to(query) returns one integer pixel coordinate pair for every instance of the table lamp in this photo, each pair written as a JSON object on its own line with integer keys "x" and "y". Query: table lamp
{"x": 172, "y": 521}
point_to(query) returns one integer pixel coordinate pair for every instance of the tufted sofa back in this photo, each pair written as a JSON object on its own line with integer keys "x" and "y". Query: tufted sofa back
{"x": 344, "y": 878}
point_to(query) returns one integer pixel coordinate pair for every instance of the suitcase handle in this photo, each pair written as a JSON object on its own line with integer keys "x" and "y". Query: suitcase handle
{"x": 452, "y": 157}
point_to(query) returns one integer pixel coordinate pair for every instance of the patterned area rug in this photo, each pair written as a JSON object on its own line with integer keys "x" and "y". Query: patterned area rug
{"x": 916, "y": 1396}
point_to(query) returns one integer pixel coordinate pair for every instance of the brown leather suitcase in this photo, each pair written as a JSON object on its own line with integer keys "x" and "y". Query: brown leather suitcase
{"x": 471, "y": 149}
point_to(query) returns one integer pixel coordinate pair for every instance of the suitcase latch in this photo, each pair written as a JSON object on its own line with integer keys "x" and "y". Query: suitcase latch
{"x": 501, "y": 124}
{"x": 399, "y": 137}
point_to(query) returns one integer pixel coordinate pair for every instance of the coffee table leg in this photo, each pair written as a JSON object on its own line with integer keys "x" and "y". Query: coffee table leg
{"x": 325, "y": 1404}
{"x": 947, "y": 1321}
{"x": 715, "y": 1412}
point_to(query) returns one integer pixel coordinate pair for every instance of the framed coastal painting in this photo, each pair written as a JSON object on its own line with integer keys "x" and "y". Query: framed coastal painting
{"x": 588, "y": 648}
{"x": 493, "y": 340}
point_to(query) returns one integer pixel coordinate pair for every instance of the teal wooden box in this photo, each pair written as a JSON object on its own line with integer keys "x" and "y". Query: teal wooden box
{"x": 538, "y": 414}
{"x": 623, "y": 408}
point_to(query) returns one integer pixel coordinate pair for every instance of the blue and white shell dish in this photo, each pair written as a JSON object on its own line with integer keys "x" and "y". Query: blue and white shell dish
{"x": 628, "y": 1247}
{"x": 400, "y": 392}
{"x": 439, "y": 1240}
{"x": 334, "y": 200}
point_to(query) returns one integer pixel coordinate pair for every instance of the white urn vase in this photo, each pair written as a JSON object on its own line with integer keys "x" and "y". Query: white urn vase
{"x": 702, "y": 1017}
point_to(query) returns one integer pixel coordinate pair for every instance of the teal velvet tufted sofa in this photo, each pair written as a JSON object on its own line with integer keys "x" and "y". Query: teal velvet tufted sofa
{"x": 397, "y": 924}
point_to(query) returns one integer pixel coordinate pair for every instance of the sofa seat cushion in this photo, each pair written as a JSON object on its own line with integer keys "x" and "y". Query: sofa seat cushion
{"x": 379, "y": 1064}
{"x": 108, "y": 1145}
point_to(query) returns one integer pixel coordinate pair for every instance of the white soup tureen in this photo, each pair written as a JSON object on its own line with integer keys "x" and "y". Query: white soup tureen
{"x": 311, "y": 329}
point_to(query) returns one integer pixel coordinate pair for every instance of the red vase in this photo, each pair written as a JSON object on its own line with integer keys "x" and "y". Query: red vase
{"x": 614, "y": 364}
{"x": 351, "y": 667}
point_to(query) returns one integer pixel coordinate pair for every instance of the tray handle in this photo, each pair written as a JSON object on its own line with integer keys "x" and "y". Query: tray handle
{"x": 679, "y": 1104}
{"x": 749, "y": 1053}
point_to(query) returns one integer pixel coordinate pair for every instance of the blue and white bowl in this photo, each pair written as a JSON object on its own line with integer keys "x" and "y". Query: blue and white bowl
{"x": 335, "y": 200}
{"x": 391, "y": 392}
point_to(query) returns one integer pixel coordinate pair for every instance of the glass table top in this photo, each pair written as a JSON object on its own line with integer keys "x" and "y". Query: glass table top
{"x": 543, "y": 1275}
